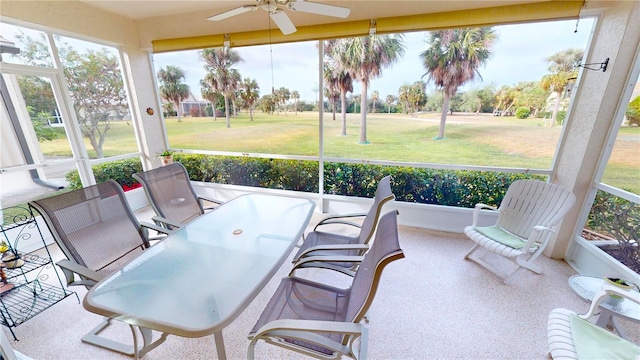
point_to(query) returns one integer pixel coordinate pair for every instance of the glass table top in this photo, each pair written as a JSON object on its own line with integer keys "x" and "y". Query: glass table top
{"x": 587, "y": 286}
{"x": 197, "y": 280}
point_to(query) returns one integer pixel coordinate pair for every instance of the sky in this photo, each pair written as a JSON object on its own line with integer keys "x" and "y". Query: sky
{"x": 519, "y": 54}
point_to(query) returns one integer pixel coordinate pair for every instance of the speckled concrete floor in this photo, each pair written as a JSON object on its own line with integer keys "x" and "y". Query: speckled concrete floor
{"x": 430, "y": 305}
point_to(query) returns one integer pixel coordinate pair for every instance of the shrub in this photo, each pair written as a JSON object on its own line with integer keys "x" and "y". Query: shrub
{"x": 523, "y": 112}
{"x": 121, "y": 171}
{"x": 194, "y": 112}
{"x": 620, "y": 219}
{"x": 208, "y": 110}
{"x": 461, "y": 188}
{"x": 633, "y": 112}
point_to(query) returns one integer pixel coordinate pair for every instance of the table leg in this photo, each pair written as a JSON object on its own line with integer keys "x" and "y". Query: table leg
{"x": 222, "y": 355}
{"x": 606, "y": 320}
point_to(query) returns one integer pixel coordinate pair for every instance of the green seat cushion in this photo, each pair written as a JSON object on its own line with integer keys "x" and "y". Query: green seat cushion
{"x": 496, "y": 233}
{"x": 594, "y": 342}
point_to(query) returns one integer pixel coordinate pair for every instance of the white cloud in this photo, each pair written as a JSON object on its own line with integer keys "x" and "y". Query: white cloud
{"x": 519, "y": 55}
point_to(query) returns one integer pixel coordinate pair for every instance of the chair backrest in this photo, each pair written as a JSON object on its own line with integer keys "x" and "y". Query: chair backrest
{"x": 383, "y": 194}
{"x": 385, "y": 249}
{"x": 170, "y": 193}
{"x": 94, "y": 226}
{"x": 528, "y": 203}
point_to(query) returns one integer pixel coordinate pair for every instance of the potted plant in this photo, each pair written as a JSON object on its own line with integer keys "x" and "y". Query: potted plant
{"x": 619, "y": 282}
{"x": 167, "y": 157}
{"x": 9, "y": 257}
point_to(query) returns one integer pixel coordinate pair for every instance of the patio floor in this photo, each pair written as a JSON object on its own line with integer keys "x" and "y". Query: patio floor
{"x": 430, "y": 305}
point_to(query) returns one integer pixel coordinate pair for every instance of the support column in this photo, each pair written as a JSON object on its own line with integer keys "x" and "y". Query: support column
{"x": 594, "y": 108}
{"x": 141, "y": 84}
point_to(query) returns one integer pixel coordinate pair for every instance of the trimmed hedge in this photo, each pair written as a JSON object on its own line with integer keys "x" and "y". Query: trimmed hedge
{"x": 461, "y": 188}
{"x": 120, "y": 171}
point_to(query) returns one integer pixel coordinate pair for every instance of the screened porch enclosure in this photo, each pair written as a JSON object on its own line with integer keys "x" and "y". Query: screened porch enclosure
{"x": 583, "y": 143}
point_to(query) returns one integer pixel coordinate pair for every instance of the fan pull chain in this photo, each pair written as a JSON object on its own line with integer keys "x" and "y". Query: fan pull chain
{"x": 271, "y": 57}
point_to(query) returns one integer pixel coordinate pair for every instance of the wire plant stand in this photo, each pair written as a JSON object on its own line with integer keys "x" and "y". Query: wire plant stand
{"x": 29, "y": 283}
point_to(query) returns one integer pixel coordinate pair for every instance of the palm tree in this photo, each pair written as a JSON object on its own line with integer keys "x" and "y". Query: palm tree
{"x": 295, "y": 95}
{"x": 417, "y": 95}
{"x": 250, "y": 93}
{"x": 331, "y": 89}
{"x": 390, "y": 99}
{"x": 211, "y": 95}
{"x": 220, "y": 74}
{"x": 365, "y": 58}
{"x": 236, "y": 79}
{"x": 331, "y": 86}
{"x": 563, "y": 67}
{"x": 453, "y": 58}
{"x": 337, "y": 76}
{"x": 283, "y": 96}
{"x": 403, "y": 98}
{"x": 374, "y": 97}
{"x": 171, "y": 86}
{"x": 356, "y": 99}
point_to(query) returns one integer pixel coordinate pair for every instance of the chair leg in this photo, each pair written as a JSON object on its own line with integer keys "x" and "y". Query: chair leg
{"x": 251, "y": 349}
{"x": 506, "y": 280}
{"x": 474, "y": 248}
{"x": 132, "y": 350}
{"x": 94, "y": 339}
{"x": 529, "y": 265}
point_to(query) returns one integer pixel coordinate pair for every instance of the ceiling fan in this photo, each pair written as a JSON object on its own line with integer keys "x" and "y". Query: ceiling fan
{"x": 276, "y": 8}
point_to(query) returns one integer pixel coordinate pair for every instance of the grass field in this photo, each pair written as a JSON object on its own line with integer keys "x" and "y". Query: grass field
{"x": 469, "y": 140}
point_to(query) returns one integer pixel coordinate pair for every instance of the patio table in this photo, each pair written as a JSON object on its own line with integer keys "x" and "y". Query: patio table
{"x": 587, "y": 286}
{"x": 197, "y": 280}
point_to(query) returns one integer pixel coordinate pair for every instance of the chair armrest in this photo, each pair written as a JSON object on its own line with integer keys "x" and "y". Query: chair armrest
{"x": 308, "y": 252}
{"x": 311, "y": 325}
{"x": 476, "y": 212}
{"x": 69, "y": 268}
{"x": 211, "y": 200}
{"x": 336, "y": 219}
{"x": 539, "y": 235}
{"x": 171, "y": 223}
{"x": 606, "y": 291}
{"x": 155, "y": 227}
{"x": 326, "y": 261}
{"x": 307, "y": 331}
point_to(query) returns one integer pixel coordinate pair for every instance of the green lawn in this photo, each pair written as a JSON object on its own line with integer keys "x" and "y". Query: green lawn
{"x": 469, "y": 140}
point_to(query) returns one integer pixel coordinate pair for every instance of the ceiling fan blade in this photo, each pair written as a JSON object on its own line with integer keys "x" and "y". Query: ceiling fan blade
{"x": 284, "y": 23}
{"x": 321, "y": 9}
{"x": 233, "y": 12}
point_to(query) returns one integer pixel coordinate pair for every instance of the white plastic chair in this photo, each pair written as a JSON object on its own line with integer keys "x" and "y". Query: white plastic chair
{"x": 571, "y": 336}
{"x": 527, "y": 220}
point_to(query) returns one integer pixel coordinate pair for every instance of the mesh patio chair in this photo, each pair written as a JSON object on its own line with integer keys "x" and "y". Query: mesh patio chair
{"x": 324, "y": 321}
{"x": 527, "y": 220}
{"x": 98, "y": 234}
{"x": 319, "y": 243}
{"x": 171, "y": 195}
{"x": 572, "y": 336}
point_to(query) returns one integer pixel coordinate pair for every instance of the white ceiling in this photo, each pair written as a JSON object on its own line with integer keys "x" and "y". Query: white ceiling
{"x": 360, "y": 9}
